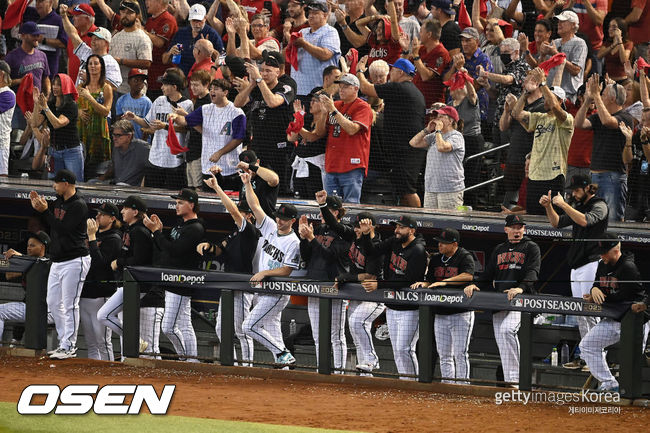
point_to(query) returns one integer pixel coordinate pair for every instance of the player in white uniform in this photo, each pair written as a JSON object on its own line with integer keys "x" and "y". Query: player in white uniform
{"x": 279, "y": 255}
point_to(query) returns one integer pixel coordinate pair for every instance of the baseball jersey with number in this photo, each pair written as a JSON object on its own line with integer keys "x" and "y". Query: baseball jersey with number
{"x": 276, "y": 250}
{"x": 160, "y": 155}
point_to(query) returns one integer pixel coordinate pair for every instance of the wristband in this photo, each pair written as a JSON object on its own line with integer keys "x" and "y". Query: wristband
{"x": 438, "y": 131}
{"x": 334, "y": 112}
{"x": 405, "y": 52}
{"x": 344, "y": 26}
{"x": 416, "y": 58}
{"x": 253, "y": 167}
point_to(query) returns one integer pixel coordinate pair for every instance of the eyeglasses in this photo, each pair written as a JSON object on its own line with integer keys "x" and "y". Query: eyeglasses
{"x": 119, "y": 135}
{"x": 258, "y": 26}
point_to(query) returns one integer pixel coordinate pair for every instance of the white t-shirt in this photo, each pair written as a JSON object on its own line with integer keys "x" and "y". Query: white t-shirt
{"x": 276, "y": 250}
{"x": 135, "y": 45}
{"x": 113, "y": 74}
{"x": 160, "y": 155}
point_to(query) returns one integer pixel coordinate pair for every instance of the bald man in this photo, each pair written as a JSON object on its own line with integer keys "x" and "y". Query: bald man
{"x": 202, "y": 53}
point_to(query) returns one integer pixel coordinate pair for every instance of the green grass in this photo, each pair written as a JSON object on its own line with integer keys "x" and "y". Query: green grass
{"x": 12, "y": 422}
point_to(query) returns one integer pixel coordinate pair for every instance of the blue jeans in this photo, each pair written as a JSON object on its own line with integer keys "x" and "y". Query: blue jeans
{"x": 612, "y": 187}
{"x": 347, "y": 185}
{"x": 71, "y": 159}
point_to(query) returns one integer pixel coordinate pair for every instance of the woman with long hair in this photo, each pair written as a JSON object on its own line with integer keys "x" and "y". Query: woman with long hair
{"x": 616, "y": 50}
{"x": 95, "y": 100}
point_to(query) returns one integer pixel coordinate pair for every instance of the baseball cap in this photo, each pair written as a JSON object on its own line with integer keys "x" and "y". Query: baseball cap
{"x": 448, "y": 236}
{"x": 333, "y": 202}
{"x": 135, "y": 72}
{"x": 243, "y": 206}
{"x": 29, "y": 28}
{"x": 568, "y": 16}
{"x": 4, "y": 66}
{"x": 320, "y": 5}
{"x": 469, "y": 32}
{"x": 102, "y": 33}
{"x": 133, "y": 6}
{"x": 608, "y": 240}
{"x": 109, "y": 209}
{"x": 513, "y": 220}
{"x": 405, "y": 66}
{"x": 286, "y": 212}
{"x": 248, "y": 156}
{"x": 579, "y": 181}
{"x": 559, "y": 92}
{"x": 445, "y": 5}
{"x": 406, "y": 221}
{"x": 197, "y": 12}
{"x": 348, "y": 79}
{"x": 64, "y": 175}
{"x": 40, "y": 236}
{"x": 362, "y": 216}
{"x": 449, "y": 111}
{"x": 82, "y": 9}
{"x": 272, "y": 58}
{"x": 135, "y": 202}
{"x": 172, "y": 78}
{"x": 318, "y": 90}
{"x": 187, "y": 195}
{"x": 236, "y": 65}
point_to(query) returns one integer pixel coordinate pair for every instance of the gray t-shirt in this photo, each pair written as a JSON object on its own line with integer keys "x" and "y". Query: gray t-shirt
{"x": 445, "y": 172}
{"x": 128, "y": 165}
{"x": 471, "y": 115}
{"x": 576, "y": 53}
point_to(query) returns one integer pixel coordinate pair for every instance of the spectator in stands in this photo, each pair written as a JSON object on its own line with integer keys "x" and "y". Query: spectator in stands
{"x": 444, "y": 178}
{"x": 575, "y": 49}
{"x": 166, "y": 170}
{"x": 130, "y": 156}
{"x": 223, "y": 130}
{"x": 531, "y": 50}
{"x": 7, "y": 106}
{"x": 591, "y": 18}
{"x": 383, "y": 39}
{"x": 331, "y": 75}
{"x": 100, "y": 43}
{"x": 579, "y": 158}
{"x": 635, "y": 157}
{"x": 616, "y": 49}
{"x": 431, "y": 60}
{"x": 471, "y": 58}
{"x": 203, "y": 50}
{"x": 254, "y": 7}
{"x": 521, "y": 140}
{"x": 84, "y": 23}
{"x": 443, "y": 11}
{"x": 50, "y": 23}
{"x": 188, "y": 36}
{"x": 318, "y": 48}
{"x": 348, "y": 140}
{"x": 607, "y": 168}
{"x": 347, "y": 25}
{"x": 296, "y": 20}
{"x": 94, "y": 103}
{"x": 260, "y": 28}
{"x": 269, "y": 113}
{"x": 263, "y": 181}
{"x": 135, "y": 101}
{"x": 638, "y": 20}
{"x": 492, "y": 42}
{"x": 404, "y": 117}
{"x": 161, "y": 28}
{"x": 553, "y": 131}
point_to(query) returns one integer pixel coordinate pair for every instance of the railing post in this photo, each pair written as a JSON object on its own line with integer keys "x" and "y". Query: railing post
{"x": 630, "y": 355}
{"x": 227, "y": 304}
{"x": 425, "y": 344}
{"x": 131, "y": 316}
{"x": 526, "y": 352}
{"x": 324, "y": 335}
{"x": 36, "y": 305}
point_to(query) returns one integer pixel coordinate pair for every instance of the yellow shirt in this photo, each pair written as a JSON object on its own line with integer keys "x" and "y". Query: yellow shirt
{"x": 551, "y": 142}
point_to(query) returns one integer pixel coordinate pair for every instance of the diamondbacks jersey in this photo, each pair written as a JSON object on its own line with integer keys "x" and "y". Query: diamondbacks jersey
{"x": 512, "y": 265}
{"x": 442, "y": 267}
{"x": 619, "y": 282}
{"x": 160, "y": 155}
{"x": 276, "y": 250}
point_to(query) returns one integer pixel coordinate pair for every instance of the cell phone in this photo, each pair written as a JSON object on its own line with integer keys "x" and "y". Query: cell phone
{"x": 268, "y": 6}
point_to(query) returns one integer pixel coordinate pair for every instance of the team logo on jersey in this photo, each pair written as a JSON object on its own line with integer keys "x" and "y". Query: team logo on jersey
{"x": 227, "y": 129}
{"x": 165, "y": 28}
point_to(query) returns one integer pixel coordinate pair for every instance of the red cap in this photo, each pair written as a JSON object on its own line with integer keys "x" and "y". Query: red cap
{"x": 449, "y": 111}
{"x": 135, "y": 72}
{"x": 82, "y": 8}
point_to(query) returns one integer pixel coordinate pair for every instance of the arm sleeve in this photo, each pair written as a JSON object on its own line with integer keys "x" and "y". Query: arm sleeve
{"x": 486, "y": 278}
{"x": 596, "y": 214}
{"x": 531, "y": 268}
{"x": 142, "y": 250}
{"x": 292, "y": 257}
{"x": 83, "y": 51}
{"x": 305, "y": 249}
{"x": 467, "y": 264}
{"x": 631, "y": 289}
{"x": 186, "y": 242}
{"x": 7, "y": 101}
{"x": 195, "y": 118}
{"x": 343, "y": 230}
{"x": 239, "y": 127}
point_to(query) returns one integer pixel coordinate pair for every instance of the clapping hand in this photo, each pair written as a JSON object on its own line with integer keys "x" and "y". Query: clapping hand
{"x": 38, "y": 201}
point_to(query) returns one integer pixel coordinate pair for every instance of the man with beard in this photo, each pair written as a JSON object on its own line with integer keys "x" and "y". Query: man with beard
{"x": 588, "y": 218}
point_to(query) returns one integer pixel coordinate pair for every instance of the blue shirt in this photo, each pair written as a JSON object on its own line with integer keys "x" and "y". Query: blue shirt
{"x": 310, "y": 69}
{"x": 471, "y": 64}
{"x": 184, "y": 36}
{"x": 139, "y": 107}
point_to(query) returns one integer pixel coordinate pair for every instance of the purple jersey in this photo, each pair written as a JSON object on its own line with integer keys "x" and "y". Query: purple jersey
{"x": 22, "y": 63}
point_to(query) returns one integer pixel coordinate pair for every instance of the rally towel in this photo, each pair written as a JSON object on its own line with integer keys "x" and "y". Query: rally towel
{"x": 25, "y": 94}
{"x": 297, "y": 123}
{"x": 172, "y": 140}
{"x": 291, "y": 53}
{"x": 554, "y": 61}
{"x": 458, "y": 80}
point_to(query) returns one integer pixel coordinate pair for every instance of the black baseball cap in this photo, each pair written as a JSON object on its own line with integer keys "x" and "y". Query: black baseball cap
{"x": 236, "y": 65}
{"x": 319, "y": 5}
{"x": 134, "y": 6}
{"x": 109, "y": 209}
{"x": 248, "y": 156}
{"x": 243, "y": 206}
{"x": 333, "y": 202}
{"x": 272, "y": 58}
{"x": 608, "y": 240}
{"x": 406, "y": 221}
{"x": 187, "y": 195}
{"x": 286, "y": 212}
{"x": 64, "y": 175}
{"x": 579, "y": 181}
{"x": 135, "y": 202}
{"x": 513, "y": 220}
{"x": 362, "y": 216}
{"x": 448, "y": 236}
{"x": 174, "y": 79}
{"x": 40, "y": 236}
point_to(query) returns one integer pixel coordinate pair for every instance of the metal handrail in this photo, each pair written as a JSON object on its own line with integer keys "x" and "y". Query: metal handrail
{"x": 482, "y": 184}
{"x": 485, "y": 152}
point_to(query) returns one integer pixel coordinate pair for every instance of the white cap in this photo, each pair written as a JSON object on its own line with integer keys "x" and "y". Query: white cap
{"x": 197, "y": 12}
{"x": 568, "y": 16}
{"x": 102, "y": 33}
{"x": 559, "y": 92}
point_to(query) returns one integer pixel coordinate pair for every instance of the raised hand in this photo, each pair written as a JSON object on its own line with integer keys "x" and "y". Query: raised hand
{"x": 558, "y": 200}
{"x": 625, "y": 130}
{"x": 321, "y": 197}
{"x": 91, "y": 227}
{"x": 546, "y": 200}
{"x": 212, "y": 182}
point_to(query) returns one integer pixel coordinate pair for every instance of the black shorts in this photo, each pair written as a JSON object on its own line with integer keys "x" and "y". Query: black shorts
{"x": 538, "y": 188}
{"x": 407, "y": 167}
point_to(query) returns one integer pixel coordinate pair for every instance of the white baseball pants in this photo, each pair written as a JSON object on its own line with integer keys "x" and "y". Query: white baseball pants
{"x": 15, "y": 312}
{"x": 263, "y": 322}
{"x": 582, "y": 280}
{"x": 506, "y": 325}
{"x": 97, "y": 335}
{"x": 242, "y": 306}
{"x": 453, "y": 333}
{"x": 337, "y": 332}
{"x": 404, "y": 330}
{"x": 150, "y": 321}
{"x": 177, "y": 324}
{"x": 361, "y": 315}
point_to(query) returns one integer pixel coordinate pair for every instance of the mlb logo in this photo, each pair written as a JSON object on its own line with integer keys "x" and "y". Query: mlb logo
{"x": 518, "y": 303}
{"x": 389, "y": 294}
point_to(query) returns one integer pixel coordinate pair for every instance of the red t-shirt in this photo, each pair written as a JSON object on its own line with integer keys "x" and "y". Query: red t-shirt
{"x": 639, "y": 32}
{"x": 437, "y": 60}
{"x": 253, "y": 7}
{"x": 348, "y": 152}
{"x": 581, "y": 143}
{"x": 388, "y": 51}
{"x": 586, "y": 25}
{"x": 616, "y": 69}
{"x": 164, "y": 25}
{"x": 73, "y": 61}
